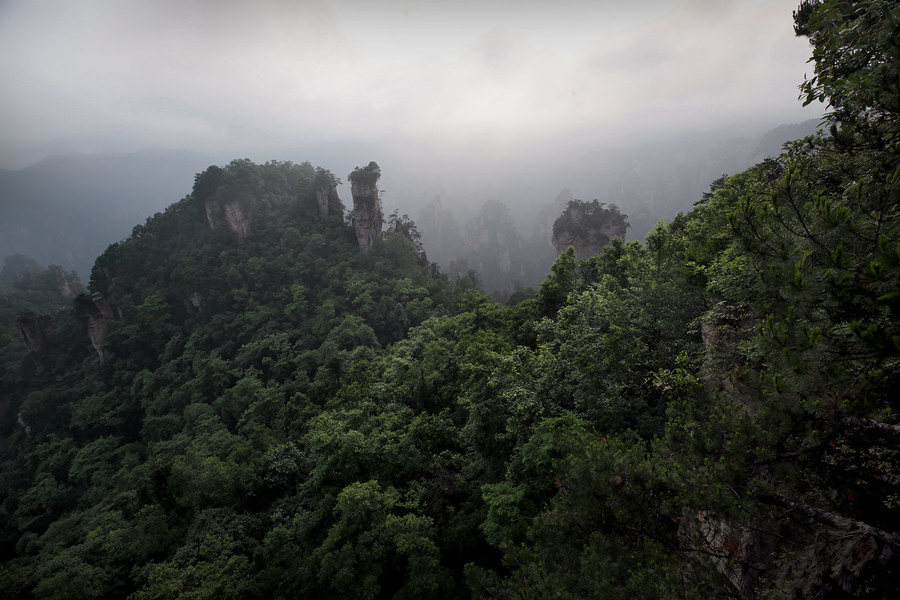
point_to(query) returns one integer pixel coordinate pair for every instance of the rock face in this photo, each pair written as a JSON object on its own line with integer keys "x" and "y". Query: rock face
{"x": 31, "y": 328}
{"x": 326, "y": 197}
{"x": 238, "y": 218}
{"x": 67, "y": 283}
{"x": 367, "y": 216}
{"x": 227, "y": 197}
{"x": 587, "y": 227}
{"x": 23, "y": 424}
{"x": 98, "y": 314}
{"x": 233, "y": 213}
{"x": 195, "y": 299}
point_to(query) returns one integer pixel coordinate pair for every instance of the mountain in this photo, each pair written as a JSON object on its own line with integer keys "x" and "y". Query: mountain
{"x": 258, "y": 398}
{"x": 647, "y": 182}
{"x": 654, "y": 182}
{"x": 67, "y": 209}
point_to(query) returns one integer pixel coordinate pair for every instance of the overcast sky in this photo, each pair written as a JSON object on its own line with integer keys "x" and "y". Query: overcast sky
{"x": 290, "y": 79}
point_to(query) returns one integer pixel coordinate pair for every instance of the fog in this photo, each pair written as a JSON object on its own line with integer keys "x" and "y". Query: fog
{"x": 468, "y": 100}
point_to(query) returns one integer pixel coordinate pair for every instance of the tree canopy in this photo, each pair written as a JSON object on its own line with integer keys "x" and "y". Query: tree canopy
{"x": 710, "y": 413}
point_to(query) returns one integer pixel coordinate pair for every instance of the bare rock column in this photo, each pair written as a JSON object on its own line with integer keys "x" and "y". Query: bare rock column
{"x": 367, "y": 216}
{"x": 587, "y": 227}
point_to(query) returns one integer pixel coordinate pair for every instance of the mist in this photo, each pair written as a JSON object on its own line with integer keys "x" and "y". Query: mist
{"x": 490, "y": 89}
{"x": 639, "y": 104}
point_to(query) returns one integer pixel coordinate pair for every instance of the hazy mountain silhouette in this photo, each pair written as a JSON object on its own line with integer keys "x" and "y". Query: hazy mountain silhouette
{"x": 67, "y": 209}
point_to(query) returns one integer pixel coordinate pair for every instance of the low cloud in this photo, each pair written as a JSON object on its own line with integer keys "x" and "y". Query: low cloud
{"x": 411, "y": 76}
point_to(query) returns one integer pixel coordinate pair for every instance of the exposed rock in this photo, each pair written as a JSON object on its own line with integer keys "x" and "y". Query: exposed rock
{"x": 68, "y": 284}
{"x": 31, "y": 328}
{"x": 327, "y": 197}
{"x": 367, "y": 216}
{"x": 587, "y": 227}
{"x": 325, "y": 194}
{"x": 227, "y": 197}
{"x": 195, "y": 299}
{"x": 831, "y": 553}
{"x": 98, "y": 315}
{"x": 238, "y": 218}
{"x": 23, "y": 424}
{"x": 235, "y": 213}
{"x": 740, "y": 553}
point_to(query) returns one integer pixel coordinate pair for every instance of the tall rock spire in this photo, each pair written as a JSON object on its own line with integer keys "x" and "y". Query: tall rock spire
{"x": 367, "y": 216}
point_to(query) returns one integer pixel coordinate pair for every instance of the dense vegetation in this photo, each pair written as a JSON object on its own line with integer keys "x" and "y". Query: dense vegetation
{"x": 711, "y": 413}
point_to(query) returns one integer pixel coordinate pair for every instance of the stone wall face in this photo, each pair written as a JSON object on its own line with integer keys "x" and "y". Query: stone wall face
{"x": 235, "y": 214}
{"x": 98, "y": 314}
{"x": 367, "y": 216}
{"x": 587, "y": 228}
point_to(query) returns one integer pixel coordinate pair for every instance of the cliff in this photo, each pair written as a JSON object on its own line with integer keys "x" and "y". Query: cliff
{"x": 227, "y": 197}
{"x": 234, "y": 213}
{"x": 588, "y": 227}
{"x": 31, "y": 328}
{"x": 67, "y": 284}
{"x": 98, "y": 314}
{"x": 325, "y": 190}
{"x": 367, "y": 216}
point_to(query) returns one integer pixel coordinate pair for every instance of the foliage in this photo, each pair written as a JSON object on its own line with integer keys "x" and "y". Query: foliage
{"x": 277, "y": 414}
{"x": 583, "y": 221}
{"x": 368, "y": 175}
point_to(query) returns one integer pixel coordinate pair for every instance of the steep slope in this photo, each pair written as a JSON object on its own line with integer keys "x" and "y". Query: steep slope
{"x": 205, "y": 346}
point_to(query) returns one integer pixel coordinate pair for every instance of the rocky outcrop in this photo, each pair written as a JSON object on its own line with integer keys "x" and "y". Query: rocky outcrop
{"x": 367, "y": 216}
{"x": 195, "y": 299}
{"x": 327, "y": 197}
{"x": 227, "y": 197}
{"x": 239, "y": 218}
{"x": 325, "y": 194}
{"x": 234, "y": 213}
{"x": 68, "y": 284}
{"x": 21, "y": 422}
{"x": 31, "y": 328}
{"x": 98, "y": 314}
{"x": 740, "y": 553}
{"x": 588, "y": 227}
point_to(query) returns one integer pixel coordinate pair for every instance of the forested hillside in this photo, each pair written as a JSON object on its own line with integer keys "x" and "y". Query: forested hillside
{"x": 252, "y": 401}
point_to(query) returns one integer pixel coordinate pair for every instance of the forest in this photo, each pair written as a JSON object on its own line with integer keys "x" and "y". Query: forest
{"x": 264, "y": 393}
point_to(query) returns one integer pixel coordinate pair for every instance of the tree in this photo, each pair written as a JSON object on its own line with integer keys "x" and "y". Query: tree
{"x": 857, "y": 56}
{"x": 368, "y": 175}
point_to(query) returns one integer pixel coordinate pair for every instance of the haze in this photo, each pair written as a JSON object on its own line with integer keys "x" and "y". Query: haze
{"x": 278, "y": 77}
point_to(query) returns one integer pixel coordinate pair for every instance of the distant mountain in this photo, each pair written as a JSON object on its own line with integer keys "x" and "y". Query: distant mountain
{"x": 770, "y": 143}
{"x": 67, "y": 209}
{"x": 653, "y": 182}
{"x": 648, "y": 182}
